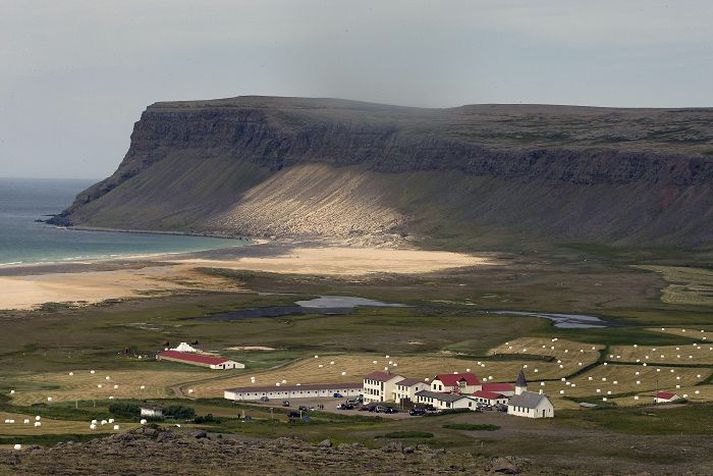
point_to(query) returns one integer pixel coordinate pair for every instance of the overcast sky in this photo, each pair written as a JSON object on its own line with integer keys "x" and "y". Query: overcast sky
{"x": 75, "y": 75}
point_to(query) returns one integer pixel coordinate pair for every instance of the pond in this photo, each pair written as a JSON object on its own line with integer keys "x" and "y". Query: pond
{"x": 335, "y": 305}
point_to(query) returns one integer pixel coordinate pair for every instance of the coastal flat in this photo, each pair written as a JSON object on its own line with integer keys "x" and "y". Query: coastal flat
{"x": 167, "y": 274}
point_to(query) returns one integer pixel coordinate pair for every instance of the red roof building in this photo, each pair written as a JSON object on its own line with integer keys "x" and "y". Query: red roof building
{"x": 456, "y": 383}
{"x": 203, "y": 360}
{"x": 381, "y": 376}
{"x": 453, "y": 380}
{"x": 488, "y": 395}
{"x": 664, "y": 397}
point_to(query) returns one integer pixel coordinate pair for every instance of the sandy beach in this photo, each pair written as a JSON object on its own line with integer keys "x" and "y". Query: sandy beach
{"x": 27, "y": 287}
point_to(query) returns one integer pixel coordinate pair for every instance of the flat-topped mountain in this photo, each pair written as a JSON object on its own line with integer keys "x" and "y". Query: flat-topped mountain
{"x": 297, "y": 167}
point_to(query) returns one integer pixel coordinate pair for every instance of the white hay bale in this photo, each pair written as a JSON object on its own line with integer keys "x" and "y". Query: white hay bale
{"x": 17, "y": 447}
{"x": 38, "y": 424}
{"x": 143, "y": 421}
{"x": 38, "y": 418}
{"x": 111, "y": 420}
{"x": 116, "y": 427}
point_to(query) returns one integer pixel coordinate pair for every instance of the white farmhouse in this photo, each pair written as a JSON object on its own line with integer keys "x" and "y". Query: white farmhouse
{"x": 445, "y": 401}
{"x": 380, "y": 387}
{"x": 489, "y": 398}
{"x": 456, "y": 383}
{"x": 407, "y": 389}
{"x": 529, "y": 404}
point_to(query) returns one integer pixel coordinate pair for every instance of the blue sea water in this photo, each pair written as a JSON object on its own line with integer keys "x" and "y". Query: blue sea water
{"x": 22, "y": 240}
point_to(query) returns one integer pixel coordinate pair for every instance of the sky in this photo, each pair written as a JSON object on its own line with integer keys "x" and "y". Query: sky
{"x": 76, "y": 74}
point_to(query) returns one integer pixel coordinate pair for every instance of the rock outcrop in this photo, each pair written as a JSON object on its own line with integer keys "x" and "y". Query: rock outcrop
{"x": 165, "y": 452}
{"x": 331, "y": 168}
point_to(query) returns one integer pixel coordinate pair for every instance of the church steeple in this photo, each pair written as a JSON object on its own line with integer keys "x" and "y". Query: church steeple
{"x": 520, "y": 383}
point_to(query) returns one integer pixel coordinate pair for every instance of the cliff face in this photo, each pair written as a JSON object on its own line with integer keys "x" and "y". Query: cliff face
{"x": 317, "y": 167}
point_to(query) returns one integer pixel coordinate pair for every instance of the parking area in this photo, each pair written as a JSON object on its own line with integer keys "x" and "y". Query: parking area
{"x": 330, "y": 405}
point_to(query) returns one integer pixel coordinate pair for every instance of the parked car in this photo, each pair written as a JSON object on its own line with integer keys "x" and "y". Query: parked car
{"x": 303, "y": 408}
{"x": 285, "y": 403}
{"x": 345, "y": 406}
{"x": 294, "y": 415}
{"x": 355, "y": 401}
{"x": 264, "y": 399}
{"x": 391, "y": 410}
{"x": 417, "y": 411}
{"x": 338, "y": 395}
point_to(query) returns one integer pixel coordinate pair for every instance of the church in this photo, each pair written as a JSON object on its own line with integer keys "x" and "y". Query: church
{"x": 529, "y": 404}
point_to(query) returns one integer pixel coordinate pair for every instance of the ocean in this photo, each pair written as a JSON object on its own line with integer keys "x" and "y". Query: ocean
{"x": 22, "y": 240}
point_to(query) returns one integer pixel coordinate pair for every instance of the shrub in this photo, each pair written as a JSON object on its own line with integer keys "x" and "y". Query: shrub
{"x": 471, "y": 426}
{"x": 179, "y": 412}
{"x": 129, "y": 410}
{"x": 209, "y": 418}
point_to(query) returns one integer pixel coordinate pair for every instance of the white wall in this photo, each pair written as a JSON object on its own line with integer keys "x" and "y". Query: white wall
{"x": 544, "y": 410}
{"x": 291, "y": 394}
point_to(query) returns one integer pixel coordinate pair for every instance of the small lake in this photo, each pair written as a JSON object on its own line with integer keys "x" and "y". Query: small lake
{"x": 564, "y": 321}
{"x": 334, "y": 305}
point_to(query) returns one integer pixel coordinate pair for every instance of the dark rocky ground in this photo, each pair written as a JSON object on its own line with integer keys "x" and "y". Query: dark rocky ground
{"x": 158, "y": 452}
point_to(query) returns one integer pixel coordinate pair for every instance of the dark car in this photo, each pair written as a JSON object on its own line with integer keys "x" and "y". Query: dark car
{"x": 338, "y": 395}
{"x": 264, "y": 399}
{"x": 391, "y": 410}
{"x": 345, "y": 406}
{"x": 303, "y": 408}
{"x": 285, "y": 403}
{"x": 417, "y": 412}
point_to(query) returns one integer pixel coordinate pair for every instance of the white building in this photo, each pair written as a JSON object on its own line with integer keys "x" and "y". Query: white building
{"x": 529, "y": 404}
{"x": 203, "y": 360}
{"x": 456, "y": 383}
{"x": 445, "y": 401}
{"x": 286, "y": 392}
{"x": 489, "y": 398}
{"x": 380, "y": 387}
{"x": 185, "y": 347}
{"x": 151, "y": 412}
{"x": 407, "y": 389}
{"x": 666, "y": 397}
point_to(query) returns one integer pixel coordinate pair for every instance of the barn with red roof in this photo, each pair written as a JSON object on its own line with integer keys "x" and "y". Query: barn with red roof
{"x": 214, "y": 362}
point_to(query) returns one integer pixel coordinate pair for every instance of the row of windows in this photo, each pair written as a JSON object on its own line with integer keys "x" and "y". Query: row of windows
{"x": 292, "y": 392}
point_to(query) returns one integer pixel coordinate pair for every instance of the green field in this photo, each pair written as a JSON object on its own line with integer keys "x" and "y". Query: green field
{"x": 445, "y": 328}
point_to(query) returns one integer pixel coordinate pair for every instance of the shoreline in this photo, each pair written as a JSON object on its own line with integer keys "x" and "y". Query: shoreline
{"x": 29, "y": 286}
{"x": 89, "y": 260}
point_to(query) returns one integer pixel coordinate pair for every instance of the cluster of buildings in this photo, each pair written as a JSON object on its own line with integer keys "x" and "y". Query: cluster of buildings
{"x": 443, "y": 392}
{"x": 457, "y": 391}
